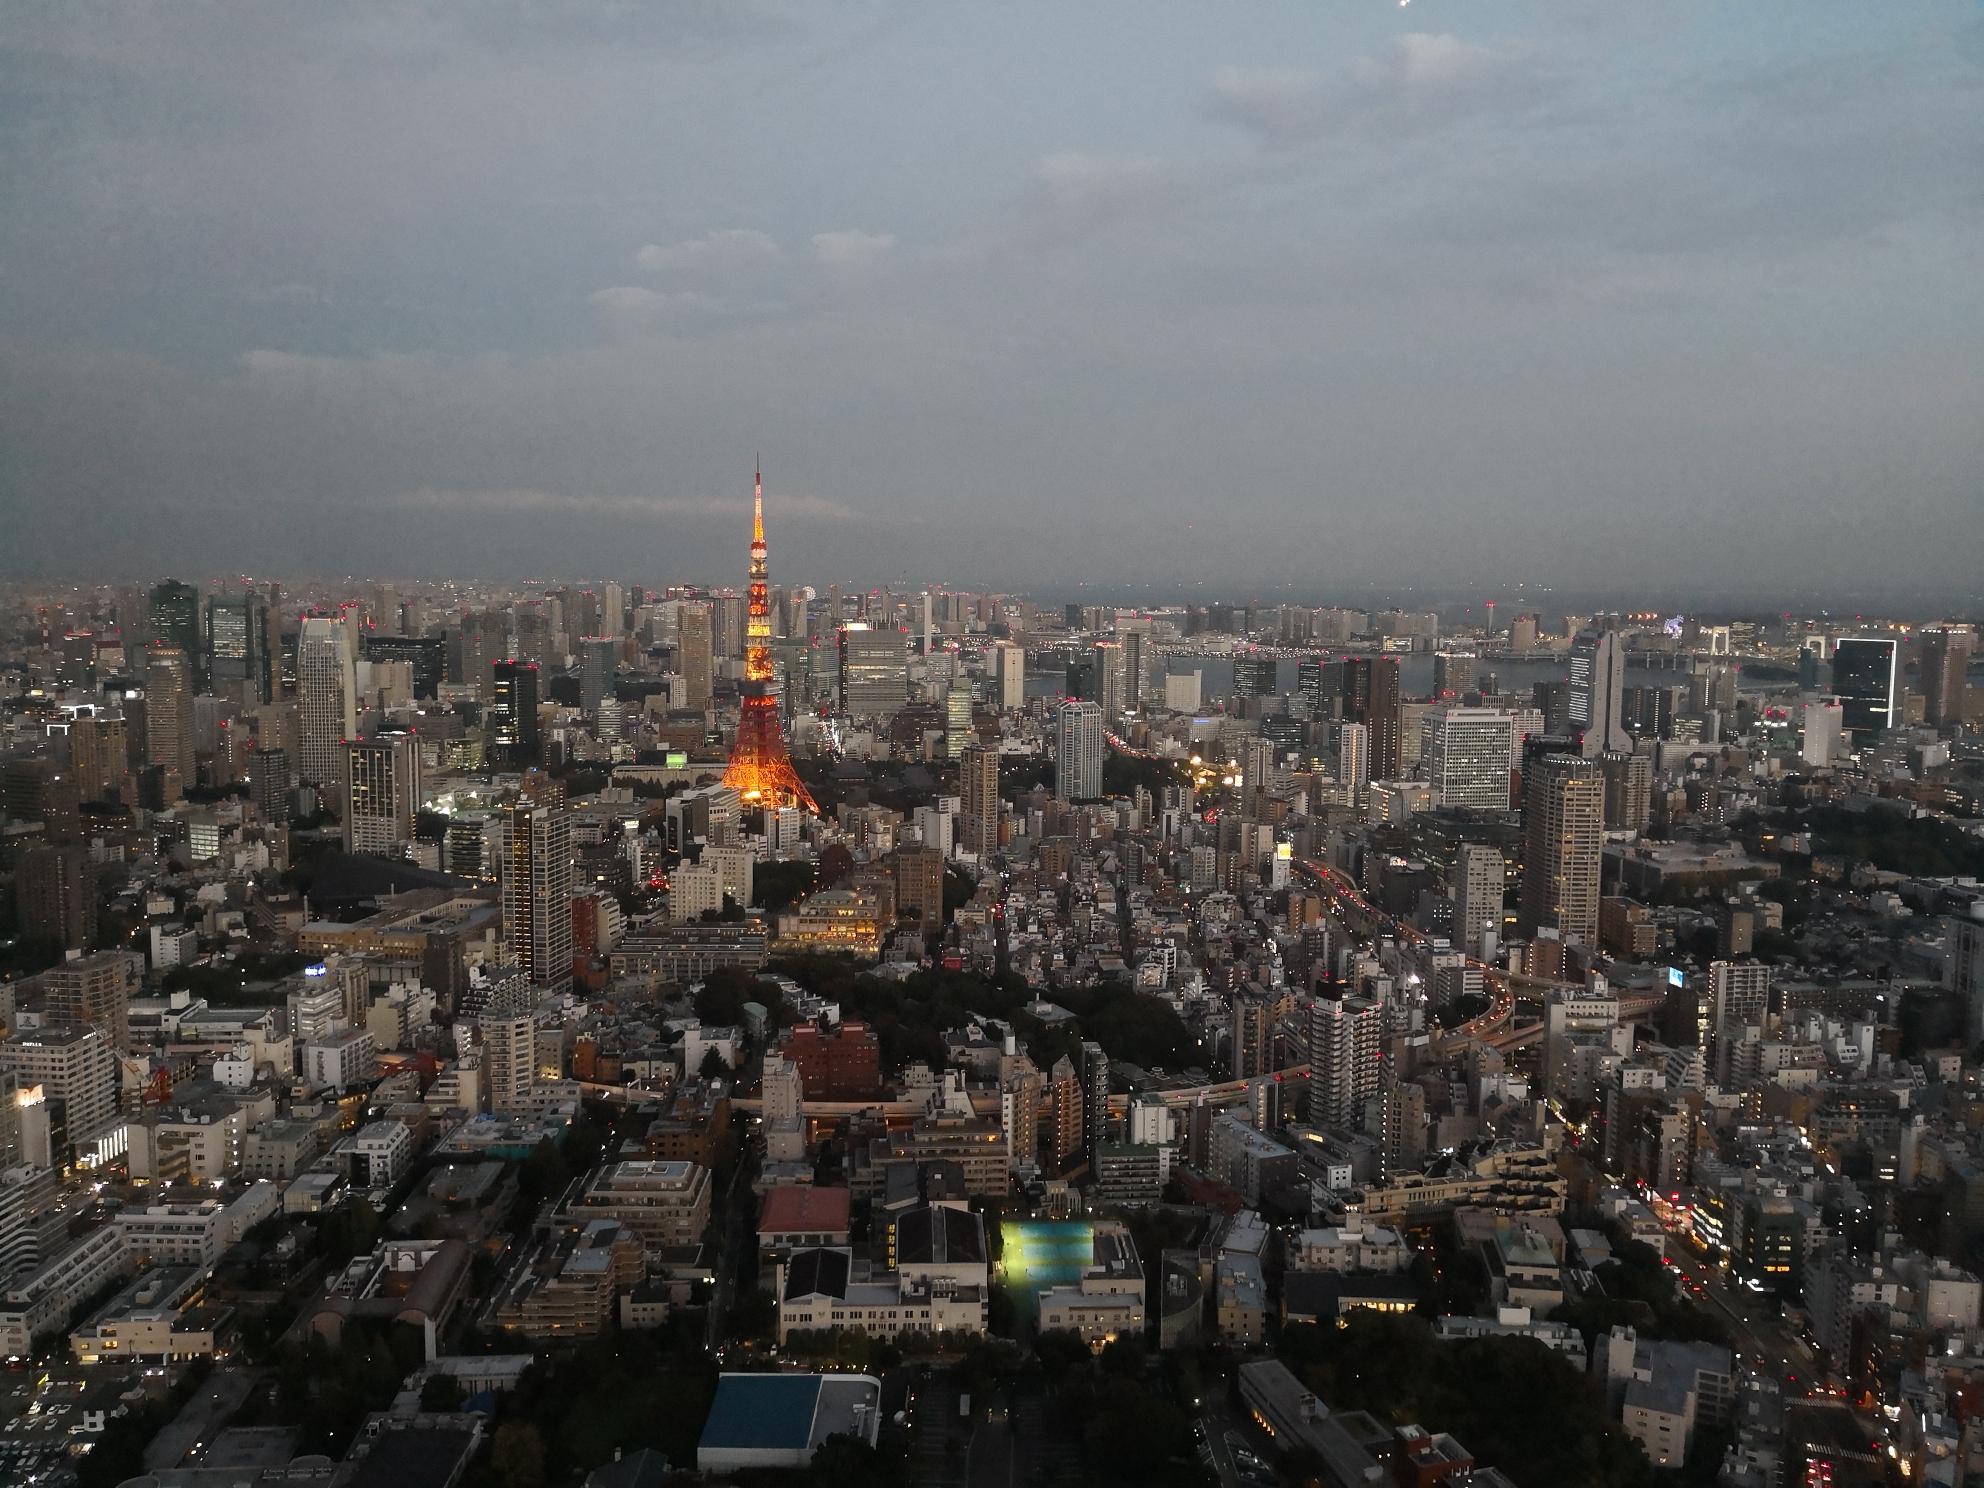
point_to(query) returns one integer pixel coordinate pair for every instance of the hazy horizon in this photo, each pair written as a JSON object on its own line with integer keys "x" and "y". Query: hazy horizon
{"x": 1357, "y": 303}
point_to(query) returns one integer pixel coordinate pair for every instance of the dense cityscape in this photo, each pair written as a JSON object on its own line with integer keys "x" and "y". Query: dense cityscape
{"x": 749, "y": 744}
{"x": 530, "y": 1033}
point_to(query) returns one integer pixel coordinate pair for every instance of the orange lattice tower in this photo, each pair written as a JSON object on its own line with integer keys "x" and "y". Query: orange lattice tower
{"x": 760, "y": 769}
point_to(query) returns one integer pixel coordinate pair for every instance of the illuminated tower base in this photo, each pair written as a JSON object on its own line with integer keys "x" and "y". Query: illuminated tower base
{"x": 760, "y": 770}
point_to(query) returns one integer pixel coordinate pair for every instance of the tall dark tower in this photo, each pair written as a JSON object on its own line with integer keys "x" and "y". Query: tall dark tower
{"x": 1370, "y": 697}
{"x": 760, "y": 770}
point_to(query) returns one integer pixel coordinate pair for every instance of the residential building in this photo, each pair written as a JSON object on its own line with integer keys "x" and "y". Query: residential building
{"x": 382, "y": 794}
{"x": 1346, "y": 1040}
{"x": 1078, "y": 751}
{"x": 537, "y": 892}
{"x": 666, "y": 1203}
{"x": 1564, "y": 835}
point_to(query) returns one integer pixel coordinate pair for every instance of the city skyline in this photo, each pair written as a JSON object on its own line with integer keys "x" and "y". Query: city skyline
{"x": 1293, "y": 300}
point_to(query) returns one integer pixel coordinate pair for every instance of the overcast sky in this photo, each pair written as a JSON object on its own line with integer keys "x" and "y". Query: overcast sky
{"x": 1318, "y": 297}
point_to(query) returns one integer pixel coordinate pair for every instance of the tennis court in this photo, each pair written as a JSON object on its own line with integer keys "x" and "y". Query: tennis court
{"x": 1040, "y": 1253}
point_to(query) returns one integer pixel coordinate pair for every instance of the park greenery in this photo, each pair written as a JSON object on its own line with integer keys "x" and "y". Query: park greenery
{"x": 910, "y": 1017}
{"x": 1513, "y": 1402}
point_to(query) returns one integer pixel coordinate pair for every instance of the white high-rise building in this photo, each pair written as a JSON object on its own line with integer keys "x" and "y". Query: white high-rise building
{"x": 509, "y": 1059}
{"x": 326, "y": 696}
{"x": 1346, "y": 1042}
{"x": 1182, "y": 693}
{"x": 1738, "y": 998}
{"x": 613, "y": 614}
{"x": 1598, "y": 687}
{"x": 1478, "y": 887}
{"x": 1008, "y": 676}
{"x": 1078, "y": 746}
{"x": 1825, "y": 723}
{"x": 1470, "y": 755}
{"x": 1353, "y": 757}
{"x": 784, "y": 1111}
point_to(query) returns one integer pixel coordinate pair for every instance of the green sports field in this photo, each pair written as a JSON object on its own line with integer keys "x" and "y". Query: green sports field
{"x": 1039, "y": 1253}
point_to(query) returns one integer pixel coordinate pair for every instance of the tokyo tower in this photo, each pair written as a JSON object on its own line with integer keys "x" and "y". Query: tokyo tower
{"x": 760, "y": 770}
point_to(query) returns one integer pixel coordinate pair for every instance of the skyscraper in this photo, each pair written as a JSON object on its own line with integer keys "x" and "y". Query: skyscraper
{"x": 1353, "y": 756}
{"x": 169, "y": 710}
{"x": 1564, "y": 834}
{"x": 509, "y": 724}
{"x": 1738, "y": 998}
{"x": 1256, "y": 773}
{"x": 693, "y": 655}
{"x": 760, "y": 771}
{"x": 94, "y": 992}
{"x": 978, "y": 783}
{"x": 1111, "y": 686}
{"x": 426, "y": 656}
{"x": 730, "y": 619}
{"x": 1254, "y": 674}
{"x": 958, "y": 732}
{"x": 175, "y": 619}
{"x": 537, "y": 891}
{"x": 1470, "y": 756}
{"x": 1819, "y": 741}
{"x": 1628, "y": 790}
{"x": 1453, "y": 673}
{"x": 326, "y": 696}
{"x": 382, "y": 794}
{"x": 598, "y": 659}
{"x": 1866, "y": 678}
{"x": 1946, "y": 652}
{"x": 1078, "y": 746}
{"x": 1252, "y": 1033}
{"x": 268, "y": 783}
{"x": 1346, "y": 1049}
{"x": 509, "y": 1059}
{"x": 238, "y": 659}
{"x": 1477, "y": 886}
{"x": 1597, "y": 692}
{"x": 1370, "y": 697}
{"x": 485, "y": 640}
{"x": 1314, "y": 693}
{"x": 874, "y": 670}
{"x": 55, "y": 893}
{"x": 1135, "y": 659}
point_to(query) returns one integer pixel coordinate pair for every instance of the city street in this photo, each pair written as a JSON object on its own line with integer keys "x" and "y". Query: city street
{"x": 1763, "y": 1337}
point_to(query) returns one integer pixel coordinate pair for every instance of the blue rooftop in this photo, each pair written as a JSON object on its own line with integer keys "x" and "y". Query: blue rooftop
{"x": 763, "y": 1411}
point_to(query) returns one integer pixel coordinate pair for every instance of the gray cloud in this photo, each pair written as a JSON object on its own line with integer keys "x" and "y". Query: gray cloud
{"x": 1419, "y": 80}
{"x": 851, "y": 250}
{"x": 730, "y": 248}
{"x": 1290, "y": 297}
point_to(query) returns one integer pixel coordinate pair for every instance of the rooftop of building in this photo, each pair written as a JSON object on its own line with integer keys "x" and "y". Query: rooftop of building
{"x": 822, "y": 1271}
{"x": 940, "y": 1235}
{"x": 788, "y": 1412}
{"x": 804, "y": 1209}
